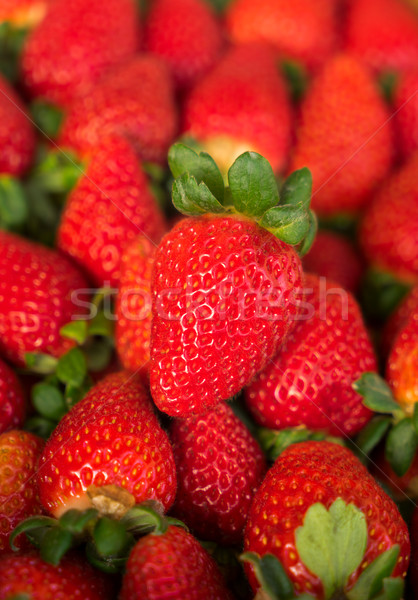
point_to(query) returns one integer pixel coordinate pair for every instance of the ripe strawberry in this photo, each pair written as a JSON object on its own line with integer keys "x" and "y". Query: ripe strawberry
{"x": 19, "y": 451}
{"x": 28, "y": 576}
{"x": 111, "y": 437}
{"x": 186, "y": 34}
{"x": 309, "y": 382}
{"x": 300, "y": 31}
{"x": 36, "y": 298}
{"x": 389, "y": 231}
{"x": 406, "y": 116}
{"x": 110, "y": 205}
{"x": 23, "y": 13}
{"x": 133, "y": 305}
{"x": 172, "y": 563}
{"x": 241, "y": 105}
{"x": 92, "y": 45}
{"x": 318, "y": 500}
{"x": 399, "y": 318}
{"x": 413, "y": 574}
{"x": 12, "y": 401}
{"x": 342, "y": 137}
{"x": 135, "y": 100}
{"x": 219, "y": 466}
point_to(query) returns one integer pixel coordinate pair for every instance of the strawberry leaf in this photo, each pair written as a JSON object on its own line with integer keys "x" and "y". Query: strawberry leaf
{"x": 370, "y": 581}
{"x": 43, "y": 364}
{"x": 393, "y": 589}
{"x": 193, "y": 199}
{"x": 372, "y": 434}
{"x": 28, "y": 525}
{"x": 271, "y": 575}
{"x": 75, "y": 330}
{"x": 297, "y": 188}
{"x": 13, "y": 205}
{"x": 75, "y": 521}
{"x": 72, "y": 367}
{"x": 48, "y": 401}
{"x": 55, "y": 543}
{"x": 376, "y": 393}
{"x": 289, "y": 223}
{"x": 306, "y": 244}
{"x": 47, "y": 117}
{"x": 111, "y": 537}
{"x": 401, "y": 445}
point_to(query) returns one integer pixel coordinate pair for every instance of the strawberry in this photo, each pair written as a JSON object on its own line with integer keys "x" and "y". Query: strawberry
{"x": 343, "y": 137}
{"x": 186, "y": 34}
{"x": 300, "y": 31}
{"x": 241, "y": 105}
{"x": 12, "y": 401}
{"x": 38, "y": 295}
{"x": 19, "y": 451}
{"x": 309, "y": 382}
{"x": 389, "y": 231}
{"x": 406, "y": 116}
{"x": 23, "y": 13}
{"x": 92, "y": 45}
{"x": 172, "y": 564}
{"x": 399, "y": 318}
{"x": 133, "y": 305}
{"x": 110, "y": 205}
{"x": 318, "y": 508}
{"x": 135, "y": 100}
{"x": 110, "y": 438}
{"x": 219, "y": 466}
{"x": 413, "y": 574}
{"x": 400, "y": 488}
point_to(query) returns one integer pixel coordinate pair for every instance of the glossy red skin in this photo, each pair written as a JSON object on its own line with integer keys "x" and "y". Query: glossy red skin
{"x": 311, "y": 472}
{"x": 74, "y": 578}
{"x": 399, "y": 318}
{"x": 172, "y": 565}
{"x": 26, "y": 13}
{"x": 340, "y": 137}
{"x": 96, "y": 36}
{"x": 135, "y": 100}
{"x": 110, "y": 205}
{"x": 17, "y": 138}
{"x": 413, "y": 571}
{"x": 186, "y": 34}
{"x": 333, "y": 256}
{"x": 300, "y": 31}
{"x": 19, "y": 453}
{"x": 112, "y": 436}
{"x": 382, "y": 33}
{"x": 225, "y": 295}
{"x": 12, "y": 401}
{"x": 220, "y": 466}
{"x": 309, "y": 382}
{"x": 133, "y": 305}
{"x": 389, "y": 231}
{"x": 406, "y": 117}
{"x": 244, "y": 99}
{"x": 36, "y": 287}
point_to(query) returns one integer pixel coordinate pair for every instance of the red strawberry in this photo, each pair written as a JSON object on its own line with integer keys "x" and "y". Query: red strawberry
{"x": 111, "y": 204}
{"x": 38, "y": 295}
{"x": 95, "y": 35}
{"x": 19, "y": 451}
{"x": 309, "y": 382}
{"x": 28, "y": 576}
{"x": 219, "y": 466}
{"x": 399, "y": 318}
{"x": 186, "y": 34}
{"x": 133, "y": 305}
{"x": 134, "y": 100}
{"x": 333, "y": 256}
{"x": 111, "y": 437}
{"x": 413, "y": 574}
{"x": 23, "y": 13}
{"x": 172, "y": 564}
{"x": 12, "y": 401}
{"x": 389, "y": 232}
{"x": 406, "y": 116}
{"x": 343, "y": 137}
{"x": 318, "y": 500}
{"x": 241, "y": 105}
{"x": 301, "y": 30}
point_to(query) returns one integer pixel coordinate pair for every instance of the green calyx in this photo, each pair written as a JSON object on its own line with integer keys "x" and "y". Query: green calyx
{"x": 12, "y": 39}
{"x": 252, "y": 191}
{"x": 13, "y": 204}
{"x": 274, "y": 442}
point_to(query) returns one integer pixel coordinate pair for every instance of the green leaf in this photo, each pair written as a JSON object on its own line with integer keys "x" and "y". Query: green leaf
{"x": 55, "y": 543}
{"x": 370, "y": 581}
{"x": 111, "y": 537}
{"x": 48, "y": 401}
{"x": 376, "y": 393}
{"x": 252, "y": 185}
{"x": 13, "y": 205}
{"x": 372, "y": 434}
{"x": 28, "y": 525}
{"x": 143, "y": 518}
{"x": 75, "y": 330}
{"x": 393, "y": 589}
{"x": 72, "y": 367}
{"x": 12, "y": 39}
{"x": 101, "y": 325}
{"x": 40, "y": 426}
{"x": 297, "y": 189}
{"x": 47, "y": 117}
{"x": 192, "y": 199}
{"x": 415, "y": 417}
{"x": 296, "y": 77}
{"x": 331, "y": 543}
{"x": 388, "y": 81}
{"x": 99, "y": 352}
{"x": 75, "y": 521}
{"x": 270, "y": 575}
{"x": 58, "y": 173}
{"x": 288, "y": 223}
{"x": 306, "y": 244}
{"x": 110, "y": 565}
{"x": 401, "y": 446}
{"x": 74, "y": 394}
{"x": 44, "y": 364}
{"x": 183, "y": 160}
{"x": 381, "y": 292}
{"x": 274, "y": 442}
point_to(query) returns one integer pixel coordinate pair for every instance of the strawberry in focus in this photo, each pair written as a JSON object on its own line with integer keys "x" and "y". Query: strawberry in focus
{"x": 12, "y": 401}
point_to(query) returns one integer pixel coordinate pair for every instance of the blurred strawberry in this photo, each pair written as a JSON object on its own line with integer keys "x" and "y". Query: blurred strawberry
{"x": 400, "y": 487}
{"x": 398, "y": 319}
{"x": 406, "y": 116}
{"x": 12, "y": 401}
{"x": 413, "y": 573}
{"x": 23, "y": 13}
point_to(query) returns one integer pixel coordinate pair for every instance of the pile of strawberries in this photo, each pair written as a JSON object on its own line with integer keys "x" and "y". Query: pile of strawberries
{"x": 208, "y": 299}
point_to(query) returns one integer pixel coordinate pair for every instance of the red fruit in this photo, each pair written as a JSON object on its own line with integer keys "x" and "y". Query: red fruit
{"x": 224, "y": 298}
{"x": 399, "y": 318}
{"x": 304, "y": 477}
{"x": 111, "y": 205}
{"x": 219, "y": 466}
{"x": 23, "y": 13}
{"x": 406, "y": 116}
{"x": 19, "y": 453}
{"x": 134, "y": 100}
{"x": 400, "y": 488}
{"x": 133, "y": 305}
{"x": 38, "y": 295}
{"x": 413, "y": 573}
{"x": 241, "y": 105}
{"x": 309, "y": 382}
{"x": 172, "y": 564}
{"x": 333, "y": 256}
{"x": 389, "y": 232}
{"x": 300, "y": 31}
{"x": 73, "y": 578}
{"x": 17, "y": 139}
{"x": 186, "y": 34}
{"x": 111, "y": 437}
{"x": 12, "y": 401}
{"x": 95, "y": 35}
{"x": 343, "y": 137}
